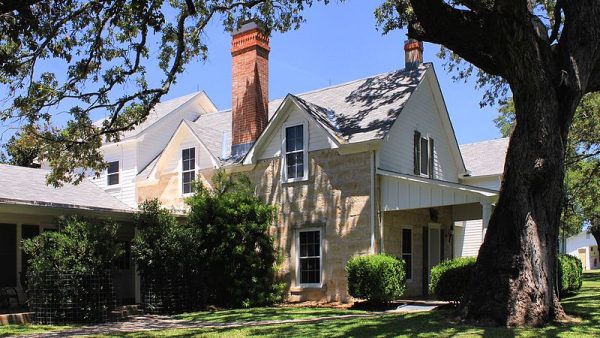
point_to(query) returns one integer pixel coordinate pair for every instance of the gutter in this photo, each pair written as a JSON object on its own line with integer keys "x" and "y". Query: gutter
{"x": 9, "y": 201}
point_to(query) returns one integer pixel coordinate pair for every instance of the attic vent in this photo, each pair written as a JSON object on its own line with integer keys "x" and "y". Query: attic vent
{"x": 226, "y": 145}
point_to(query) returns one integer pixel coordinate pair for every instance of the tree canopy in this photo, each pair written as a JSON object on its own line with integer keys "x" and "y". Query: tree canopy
{"x": 98, "y": 53}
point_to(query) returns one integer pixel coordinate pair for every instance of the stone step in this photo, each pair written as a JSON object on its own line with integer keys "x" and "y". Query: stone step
{"x": 16, "y": 318}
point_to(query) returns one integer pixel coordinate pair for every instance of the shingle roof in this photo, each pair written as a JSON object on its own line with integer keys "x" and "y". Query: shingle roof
{"x": 160, "y": 110}
{"x": 485, "y": 158}
{"x": 28, "y": 186}
{"x": 356, "y": 111}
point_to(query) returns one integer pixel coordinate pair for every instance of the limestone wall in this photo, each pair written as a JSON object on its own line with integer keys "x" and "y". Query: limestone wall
{"x": 335, "y": 199}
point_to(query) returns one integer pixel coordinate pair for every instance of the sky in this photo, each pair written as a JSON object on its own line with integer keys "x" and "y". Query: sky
{"x": 337, "y": 43}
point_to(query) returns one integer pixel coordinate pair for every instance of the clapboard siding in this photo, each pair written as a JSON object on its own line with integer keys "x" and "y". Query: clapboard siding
{"x": 170, "y": 160}
{"x": 126, "y": 154}
{"x": 421, "y": 113}
{"x": 467, "y": 238}
{"x": 488, "y": 183}
{"x": 317, "y": 137}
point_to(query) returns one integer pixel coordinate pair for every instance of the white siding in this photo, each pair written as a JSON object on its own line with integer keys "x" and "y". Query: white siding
{"x": 467, "y": 238}
{"x": 125, "y": 153}
{"x": 317, "y": 137}
{"x": 421, "y": 113}
{"x": 170, "y": 160}
{"x": 488, "y": 182}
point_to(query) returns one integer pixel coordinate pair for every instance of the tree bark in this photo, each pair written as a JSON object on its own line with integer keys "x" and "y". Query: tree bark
{"x": 595, "y": 230}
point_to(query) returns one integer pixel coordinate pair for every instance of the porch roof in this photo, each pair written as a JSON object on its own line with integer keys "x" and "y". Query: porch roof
{"x": 403, "y": 192}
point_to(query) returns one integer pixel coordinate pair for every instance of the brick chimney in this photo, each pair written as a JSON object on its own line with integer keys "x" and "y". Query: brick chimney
{"x": 250, "y": 86}
{"x": 413, "y": 53}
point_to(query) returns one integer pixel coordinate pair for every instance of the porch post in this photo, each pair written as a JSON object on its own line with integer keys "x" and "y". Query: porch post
{"x": 136, "y": 280}
{"x": 486, "y": 213}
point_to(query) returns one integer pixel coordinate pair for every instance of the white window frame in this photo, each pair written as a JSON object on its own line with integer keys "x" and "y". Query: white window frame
{"x": 426, "y": 138}
{"x": 195, "y": 170}
{"x": 284, "y": 177}
{"x": 412, "y": 250}
{"x": 118, "y": 185}
{"x": 309, "y": 285}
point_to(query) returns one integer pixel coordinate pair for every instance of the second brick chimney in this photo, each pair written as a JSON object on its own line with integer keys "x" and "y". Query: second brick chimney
{"x": 250, "y": 86}
{"x": 413, "y": 53}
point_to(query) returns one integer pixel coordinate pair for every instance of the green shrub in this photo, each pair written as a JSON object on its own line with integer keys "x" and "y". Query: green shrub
{"x": 570, "y": 273}
{"x": 237, "y": 252}
{"x": 68, "y": 277}
{"x": 377, "y": 278}
{"x": 166, "y": 254}
{"x": 450, "y": 278}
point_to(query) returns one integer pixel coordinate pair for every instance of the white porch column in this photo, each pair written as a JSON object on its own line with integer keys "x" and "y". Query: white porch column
{"x": 486, "y": 213}
{"x": 136, "y": 281}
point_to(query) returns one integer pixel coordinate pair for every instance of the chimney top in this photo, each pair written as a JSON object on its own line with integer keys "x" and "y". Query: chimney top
{"x": 413, "y": 53}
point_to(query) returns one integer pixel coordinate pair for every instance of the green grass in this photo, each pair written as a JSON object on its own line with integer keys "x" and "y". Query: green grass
{"x": 11, "y": 330}
{"x": 265, "y": 314}
{"x": 585, "y": 305}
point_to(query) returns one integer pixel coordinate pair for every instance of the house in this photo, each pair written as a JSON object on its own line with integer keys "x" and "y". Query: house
{"x": 362, "y": 167}
{"x": 584, "y": 246}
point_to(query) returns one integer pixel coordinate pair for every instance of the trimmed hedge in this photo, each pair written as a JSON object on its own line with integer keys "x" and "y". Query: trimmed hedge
{"x": 570, "y": 273}
{"x": 450, "y": 278}
{"x": 377, "y": 278}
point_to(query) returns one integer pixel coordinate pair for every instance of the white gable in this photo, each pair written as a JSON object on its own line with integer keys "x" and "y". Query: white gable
{"x": 289, "y": 114}
{"x": 426, "y": 113}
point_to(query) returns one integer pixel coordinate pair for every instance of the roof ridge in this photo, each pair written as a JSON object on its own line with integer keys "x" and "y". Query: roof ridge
{"x": 484, "y": 141}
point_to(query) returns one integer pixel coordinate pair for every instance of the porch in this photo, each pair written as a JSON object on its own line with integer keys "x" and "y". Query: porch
{"x": 425, "y": 221}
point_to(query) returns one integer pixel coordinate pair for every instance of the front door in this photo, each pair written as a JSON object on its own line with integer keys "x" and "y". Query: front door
{"x": 435, "y": 250}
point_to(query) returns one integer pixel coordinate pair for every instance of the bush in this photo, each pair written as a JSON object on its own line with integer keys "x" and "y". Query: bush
{"x": 167, "y": 256}
{"x": 570, "y": 273}
{"x": 232, "y": 232}
{"x": 66, "y": 278}
{"x": 450, "y": 278}
{"x": 377, "y": 278}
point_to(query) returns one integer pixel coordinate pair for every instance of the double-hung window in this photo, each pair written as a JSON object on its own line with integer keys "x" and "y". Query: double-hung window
{"x": 112, "y": 173}
{"x": 295, "y": 153}
{"x": 309, "y": 258}
{"x": 407, "y": 250}
{"x": 423, "y": 155}
{"x": 188, "y": 170}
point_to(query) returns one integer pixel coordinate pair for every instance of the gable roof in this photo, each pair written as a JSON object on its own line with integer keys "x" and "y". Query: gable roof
{"x": 485, "y": 158}
{"x": 27, "y": 186}
{"x": 159, "y": 111}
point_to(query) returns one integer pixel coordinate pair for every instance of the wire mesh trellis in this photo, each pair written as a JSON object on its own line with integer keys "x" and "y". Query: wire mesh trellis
{"x": 172, "y": 294}
{"x": 59, "y": 298}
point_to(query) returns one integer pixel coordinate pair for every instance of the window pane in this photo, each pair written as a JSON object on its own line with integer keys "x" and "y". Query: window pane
{"x": 310, "y": 270}
{"x": 406, "y": 241}
{"x": 310, "y": 257}
{"x": 113, "y": 179}
{"x": 294, "y": 138}
{"x": 113, "y": 167}
{"x": 424, "y": 156}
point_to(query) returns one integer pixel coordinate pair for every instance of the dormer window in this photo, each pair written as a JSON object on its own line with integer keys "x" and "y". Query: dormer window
{"x": 188, "y": 170}
{"x": 112, "y": 173}
{"x": 423, "y": 155}
{"x": 295, "y": 155}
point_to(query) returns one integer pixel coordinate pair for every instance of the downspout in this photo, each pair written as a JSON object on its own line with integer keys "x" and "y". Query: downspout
{"x": 372, "y": 198}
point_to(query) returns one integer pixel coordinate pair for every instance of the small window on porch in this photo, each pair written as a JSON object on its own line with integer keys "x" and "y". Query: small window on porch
{"x": 407, "y": 251}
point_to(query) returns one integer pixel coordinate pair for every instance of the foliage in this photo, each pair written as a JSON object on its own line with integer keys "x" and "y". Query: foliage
{"x": 20, "y": 151}
{"x": 570, "y": 274}
{"x": 96, "y": 55}
{"x": 377, "y": 278}
{"x": 68, "y": 278}
{"x": 237, "y": 251}
{"x": 582, "y": 180}
{"x": 450, "y": 278}
{"x": 166, "y": 254}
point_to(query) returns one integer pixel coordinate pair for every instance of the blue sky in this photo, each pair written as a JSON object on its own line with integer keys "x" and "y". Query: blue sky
{"x": 338, "y": 43}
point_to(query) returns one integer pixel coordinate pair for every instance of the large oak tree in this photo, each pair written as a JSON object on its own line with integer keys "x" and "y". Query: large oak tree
{"x": 549, "y": 63}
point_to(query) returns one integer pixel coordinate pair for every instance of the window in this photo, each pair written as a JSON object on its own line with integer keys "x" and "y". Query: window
{"x": 407, "y": 250}
{"x": 188, "y": 170}
{"x": 295, "y": 154}
{"x": 423, "y": 155}
{"x": 112, "y": 173}
{"x": 309, "y": 258}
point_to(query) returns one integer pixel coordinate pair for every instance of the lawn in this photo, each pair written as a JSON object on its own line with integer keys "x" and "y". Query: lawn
{"x": 13, "y": 330}
{"x": 585, "y": 305}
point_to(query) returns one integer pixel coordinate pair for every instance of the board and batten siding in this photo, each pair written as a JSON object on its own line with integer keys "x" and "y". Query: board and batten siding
{"x": 421, "y": 113}
{"x": 317, "y": 137}
{"x": 467, "y": 238}
{"x": 126, "y": 154}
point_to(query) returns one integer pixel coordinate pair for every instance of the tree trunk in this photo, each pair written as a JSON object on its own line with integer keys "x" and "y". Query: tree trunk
{"x": 515, "y": 275}
{"x": 595, "y": 230}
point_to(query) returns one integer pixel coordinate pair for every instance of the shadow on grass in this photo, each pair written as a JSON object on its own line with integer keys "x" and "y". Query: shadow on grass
{"x": 265, "y": 314}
